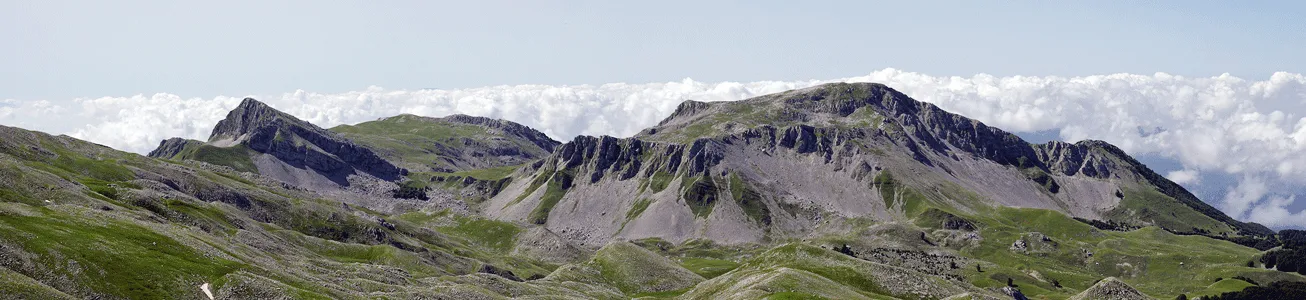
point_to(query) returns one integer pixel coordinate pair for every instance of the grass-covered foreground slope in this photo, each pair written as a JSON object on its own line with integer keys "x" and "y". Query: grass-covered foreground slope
{"x": 79, "y": 220}
{"x": 1061, "y": 256}
{"x": 449, "y": 144}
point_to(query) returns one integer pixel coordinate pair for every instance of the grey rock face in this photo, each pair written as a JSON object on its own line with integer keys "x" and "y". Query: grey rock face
{"x": 805, "y": 155}
{"x": 1014, "y": 293}
{"x": 1110, "y": 288}
{"x": 173, "y": 146}
{"x": 292, "y": 142}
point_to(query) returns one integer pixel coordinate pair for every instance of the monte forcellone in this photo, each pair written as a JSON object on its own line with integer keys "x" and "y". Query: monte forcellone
{"x": 839, "y": 191}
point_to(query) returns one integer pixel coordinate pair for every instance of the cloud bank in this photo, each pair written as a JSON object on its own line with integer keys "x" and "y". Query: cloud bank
{"x": 1225, "y": 124}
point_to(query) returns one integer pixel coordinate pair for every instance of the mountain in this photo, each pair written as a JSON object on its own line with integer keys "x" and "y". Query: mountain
{"x": 257, "y": 138}
{"x": 450, "y": 144}
{"x": 840, "y": 191}
{"x": 779, "y": 166}
{"x": 82, "y": 221}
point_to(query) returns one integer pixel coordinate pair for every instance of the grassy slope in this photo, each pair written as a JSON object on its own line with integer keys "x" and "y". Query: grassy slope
{"x": 1151, "y": 206}
{"x": 411, "y": 141}
{"x": 108, "y": 240}
{"x": 1148, "y": 259}
{"x": 631, "y": 269}
{"x": 113, "y": 258}
{"x": 237, "y": 157}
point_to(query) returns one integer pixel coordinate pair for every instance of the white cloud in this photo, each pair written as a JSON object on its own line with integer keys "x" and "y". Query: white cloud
{"x": 1243, "y": 197}
{"x": 1184, "y": 176}
{"x": 1214, "y": 124}
{"x": 1274, "y": 212}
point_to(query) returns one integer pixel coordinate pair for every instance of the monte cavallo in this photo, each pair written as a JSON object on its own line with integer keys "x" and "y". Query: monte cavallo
{"x": 839, "y": 191}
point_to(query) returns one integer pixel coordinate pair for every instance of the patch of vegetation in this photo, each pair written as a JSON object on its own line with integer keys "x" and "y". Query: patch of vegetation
{"x": 237, "y": 157}
{"x": 17, "y": 286}
{"x": 892, "y": 191}
{"x": 411, "y": 190}
{"x": 936, "y": 218}
{"x": 72, "y": 166}
{"x": 636, "y": 270}
{"x": 1150, "y": 206}
{"x": 884, "y": 181}
{"x": 708, "y": 267}
{"x": 104, "y": 188}
{"x": 1154, "y": 261}
{"x": 490, "y": 174}
{"x": 1041, "y": 177}
{"x": 701, "y": 196}
{"x": 1279, "y": 290}
{"x": 832, "y": 265}
{"x": 128, "y": 261}
{"x": 1108, "y": 225}
{"x": 202, "y": 215}
{"x": 418, "y": 142}
{"x": 659, "y": 181}
{"x": 793, "y": 296}
{"x": 7, "y": 195}
{"x": 1290, "y": 258}
{"x": 749, "y": 200}
{"x": 540, "y": 179}
{"x": 316, "y": 221}
{"x": 637, "y": 209}
{"x": 672, "y": 294}
{"x": 498, "y": 235}
{"x": 557, "y": 187}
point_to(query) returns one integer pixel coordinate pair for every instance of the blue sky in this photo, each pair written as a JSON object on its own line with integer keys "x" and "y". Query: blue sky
{"x": 63, "y": 49}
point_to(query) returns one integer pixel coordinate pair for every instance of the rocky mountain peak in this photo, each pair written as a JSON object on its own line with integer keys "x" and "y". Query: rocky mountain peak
{"x": 283, "y": 147}
{"x": 250, "y": 115}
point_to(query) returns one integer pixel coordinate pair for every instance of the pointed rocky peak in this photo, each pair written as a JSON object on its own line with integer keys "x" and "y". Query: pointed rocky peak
{"x": 247, "y": 117}
{"x": 256, "y": 138}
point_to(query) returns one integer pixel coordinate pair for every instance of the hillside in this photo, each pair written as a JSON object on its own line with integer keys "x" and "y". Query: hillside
{"x": 450, "y": 144}
{"x": 780, "y": 166}
{"x": 257, "y": 138}
{"x": 840, "y": 191}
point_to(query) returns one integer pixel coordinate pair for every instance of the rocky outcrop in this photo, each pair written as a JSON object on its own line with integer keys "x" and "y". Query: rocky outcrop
{"x": 1099, "y": 159}
{"x": 1015, "y": 293}
{"x": 509, "y": 129}
{"x": 1034, "y": 242}
{"x": 172, "y": 147}
{"x": 298, "y": 148}
{"x": 1110, "y": 288}
{"x": 1072, "y": 159}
